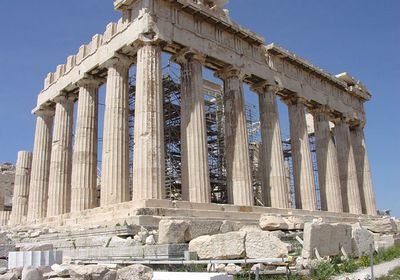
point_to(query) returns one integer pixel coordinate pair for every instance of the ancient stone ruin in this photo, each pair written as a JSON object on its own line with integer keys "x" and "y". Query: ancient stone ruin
{"x": 55, "y": 193}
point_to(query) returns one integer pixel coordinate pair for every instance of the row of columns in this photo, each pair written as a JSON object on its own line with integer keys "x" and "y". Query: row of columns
{"x": 344, "y": 187}
{"x": 64, "y": 178}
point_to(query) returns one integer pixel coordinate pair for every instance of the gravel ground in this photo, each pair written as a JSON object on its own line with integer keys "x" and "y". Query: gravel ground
{"x": 379, "y": 270}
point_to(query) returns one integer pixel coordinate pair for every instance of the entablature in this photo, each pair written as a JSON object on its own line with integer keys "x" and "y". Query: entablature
{"x": 183, "y": 24}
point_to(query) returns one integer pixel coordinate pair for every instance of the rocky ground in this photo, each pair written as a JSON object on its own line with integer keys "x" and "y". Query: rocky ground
{"x": 83, "y": 272}
{"x": 273, "y": 237}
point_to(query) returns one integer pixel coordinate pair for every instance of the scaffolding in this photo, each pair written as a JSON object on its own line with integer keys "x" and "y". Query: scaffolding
{"x": 215, "y": 135}
{"x": 214, "y": 115}
{"x": 287, "y": 153}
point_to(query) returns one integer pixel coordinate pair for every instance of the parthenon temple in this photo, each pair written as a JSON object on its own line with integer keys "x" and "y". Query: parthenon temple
{"x": 59, "y": 179}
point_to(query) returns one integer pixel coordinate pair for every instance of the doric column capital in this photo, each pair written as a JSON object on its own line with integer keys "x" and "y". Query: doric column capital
{"x": 321, "y": 111}
{"x": 294, "y": 99}
{"x": 357, "y": 124}
{"x": 188, "y": 54}
{"x": 90, "y": 80}
{"x": 148, "y": 38}
{"x": 230, "y": 72}
{"x": 120, "y": 60}
{"x": 342, "y": 119}
{"x": 45, "y": 111}
{"x": 63, "y": 98}
{"x": 265, "y": 86}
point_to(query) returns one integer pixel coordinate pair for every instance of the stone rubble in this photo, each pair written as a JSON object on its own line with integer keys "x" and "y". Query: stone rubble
{"x": 384, "y": 225}
{"x": 135, "y": 272}
{"x": 220, "y": 246}
{"x": 328, "y": 239}
{"x": 31, "y": 273}
{"x": 259, "y": 245}
{"x": 362, "y": 239}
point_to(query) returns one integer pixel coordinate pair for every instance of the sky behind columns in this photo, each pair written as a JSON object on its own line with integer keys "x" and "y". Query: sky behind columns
{"x": 361, "y": 37}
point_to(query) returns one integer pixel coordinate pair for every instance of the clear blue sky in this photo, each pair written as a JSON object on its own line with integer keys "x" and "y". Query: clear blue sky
{"x": 361, "y": 37}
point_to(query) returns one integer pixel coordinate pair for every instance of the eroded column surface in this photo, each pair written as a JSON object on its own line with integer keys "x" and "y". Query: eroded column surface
{"x": 59, "y": 201}
{"x": 149, "y": 160}
{"x": 328, "y": 172}
{"x": 347, "y": 169}
{"x": 239, "y": 181}
{"x": 363, "y": 171}
{"x": 302, "y": 164}
{"x": 39, "y": 184}
{"x": 84, "y": 160}
{"x": 115, "y": 155}
{"x": 273, "y": 176}
{"x": 194, "y": 153}
{"x": 21, "y": 188}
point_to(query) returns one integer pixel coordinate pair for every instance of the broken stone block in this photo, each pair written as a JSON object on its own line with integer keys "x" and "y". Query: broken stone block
{"x": 199, "y": 228}
{"x": 383, "y": 225}
{"x": 361, "y": 241}
{"x": 260, "y": 244}
{"x": 228, "y": 226}
{"x": 83, "y": 272}
{"x": 172, "y": 231}
{"x": 328, "y": 239}
{"x": 31, "y": 273}
{"x": 135, "y": 272}
{"x": 150, "y": 240}
{"x": 294, "y": 223}
{"x": 251, "y": 228}
{"x": 220, "y": 246}
{"x": 8, "y": 276}
{"x": 384, "y": 241}
{"x": 60, "y": 270}
{"x": 270, "y": 222}
{"x": 232, "y": 269}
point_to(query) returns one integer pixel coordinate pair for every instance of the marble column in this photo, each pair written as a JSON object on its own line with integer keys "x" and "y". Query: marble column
{"x": 363, "y": 170}
{"x": 302, "y": 164}
{"x": 194, "y": 152}
{"x": 115, "y": 155}
{"x": 39, "y": 184}
{"x": 273, "y": 176}
{"x": 59, "y": 201}
{"x": 21, "y": 188}
{"x": 149, "y": 159}
{"x": 347, "y": 169}
{"x": 84, "y": 159}
{"x": 328, "y": 170}
{"x": 238, "y": 172}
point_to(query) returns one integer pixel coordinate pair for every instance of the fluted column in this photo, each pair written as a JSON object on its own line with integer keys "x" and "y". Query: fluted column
{"x": 273, "y": 177}
{"x": 39, "y": 184}
{"x": 194, "y": 152}
{"x": 347, "y": 169}
{"x": 363, "y": 170}
{"x": 59, "y": 201}
{"x": 302, "y": 164}
{"x": 115, "y": 155}
{"x": 84, "y": 160}
{"x": 328, "y": 171}
{"x": 238, "y": 173}
{"x": 149, "y": 159}
{"x": 21, "y": 188}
